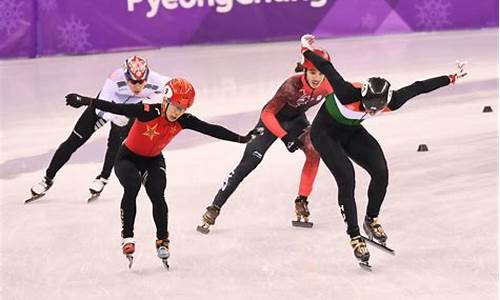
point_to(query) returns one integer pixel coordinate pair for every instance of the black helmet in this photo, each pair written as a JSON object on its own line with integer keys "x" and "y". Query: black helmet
{"x": 376, "y": 93}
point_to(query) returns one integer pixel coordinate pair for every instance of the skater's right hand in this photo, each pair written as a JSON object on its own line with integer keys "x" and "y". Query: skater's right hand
{"x": 460, "y": 73}
{"x": 307, "y": 41}
{"x": 76, "y": 101}
{"x": 252, "y": 134}
{"x": 291, "y": 143}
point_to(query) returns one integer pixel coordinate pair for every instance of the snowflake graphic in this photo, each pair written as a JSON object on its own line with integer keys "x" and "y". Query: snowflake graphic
{"x": 74, "y": 36}
{"x": 433, "y": 14}
{"x": 47, "y": 5}
{"x": 10, "y": 15}
{"x": 368, "y": 21}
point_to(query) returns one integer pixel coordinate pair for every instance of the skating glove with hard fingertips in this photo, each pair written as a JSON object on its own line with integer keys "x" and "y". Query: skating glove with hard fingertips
{"x": 307, "y": 41}
{"x": 461, "y": 72}
{"x": 291, "y": 143}
{"x": 252, "y": 134}
{"x": 76, "y": 101}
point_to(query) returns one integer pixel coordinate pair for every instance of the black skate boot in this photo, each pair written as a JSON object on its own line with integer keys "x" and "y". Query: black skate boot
{"x": 302, "y": 212}
{"x": 208, "y": 218}
{"x": 39, "y": 189}
{"x": 374, "y": 230}
{"x": 163, "y": 251}
{"x": 361, "y": 251}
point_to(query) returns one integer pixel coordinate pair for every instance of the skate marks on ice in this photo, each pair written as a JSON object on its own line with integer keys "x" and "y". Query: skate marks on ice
{"x": 260, "y": 256}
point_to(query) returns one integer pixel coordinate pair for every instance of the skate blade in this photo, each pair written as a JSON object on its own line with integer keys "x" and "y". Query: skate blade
{"x": 130, "y": 258}
{"x": 202, "y": 229}
{"x": 93, "y": 196}
{"x": 165, "y": 263}
{"x": 302, "y": 224}
{"x": 365, "y": 266}
{"x": 33, "y": 198}
{"x": 379, "y": 245}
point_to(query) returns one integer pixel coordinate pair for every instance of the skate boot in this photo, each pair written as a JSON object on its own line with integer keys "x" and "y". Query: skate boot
{"x": 96, "y": 187}
{"x": 128, "y": 249}
{"x": 162, "y": 249}
{"x": 208, "y": 218}
{"x": 374, "y": 230}
{"x": 39, "y": 189}
{"x": 302, "y": 212}
{"x": 360, "y": 251}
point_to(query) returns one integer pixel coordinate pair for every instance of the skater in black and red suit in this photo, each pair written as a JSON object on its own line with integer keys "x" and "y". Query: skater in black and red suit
{"x": 282, "y": 117}
{"x": 338, "y": 136}
{"x": 140, "y": 160}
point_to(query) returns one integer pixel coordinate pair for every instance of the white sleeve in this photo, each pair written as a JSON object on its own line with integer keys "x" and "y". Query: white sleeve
{"x": 159, "y": 80}
{"x": 109, "y": 93}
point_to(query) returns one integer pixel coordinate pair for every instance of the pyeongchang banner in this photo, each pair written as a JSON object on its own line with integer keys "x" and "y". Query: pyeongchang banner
{"x": 47, "y": 27}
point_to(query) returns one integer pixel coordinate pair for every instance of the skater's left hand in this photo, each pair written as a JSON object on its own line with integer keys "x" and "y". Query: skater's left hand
{"x": 76, "y": 101}
{"x": 292, "y": 144}
{"x": 461, "y": 72}
{"x": 253, "y": 134}
{"x": 307, "y": 41}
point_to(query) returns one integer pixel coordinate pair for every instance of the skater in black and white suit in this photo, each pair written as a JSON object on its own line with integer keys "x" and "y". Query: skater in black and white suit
{"x": 128, "y": 84}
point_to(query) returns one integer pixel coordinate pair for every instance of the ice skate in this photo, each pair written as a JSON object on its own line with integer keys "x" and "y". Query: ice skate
{"x": 96, "y": 188}
{"x": 208, "y": 218}
{"x": 162, "y": 249}
{"x": 128, "y": 249}
{"x": 374, "y": 230}
{"x": 361, "y": 252}
{"x": 302, "y": 212}
{"x": 39, "y": 189}
{"x": 376, "y": 235}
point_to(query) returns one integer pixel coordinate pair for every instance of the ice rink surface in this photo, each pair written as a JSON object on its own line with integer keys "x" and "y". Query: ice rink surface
{"x": 441, "y": 209}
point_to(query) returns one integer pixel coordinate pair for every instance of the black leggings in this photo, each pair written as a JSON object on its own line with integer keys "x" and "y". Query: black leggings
{"x": 86, "y": 125}
{"x": 115, "y": 138}
{"x": 253, "y": 155}
{"x": 133, "y": 170}
{"x": 337, "y": 143}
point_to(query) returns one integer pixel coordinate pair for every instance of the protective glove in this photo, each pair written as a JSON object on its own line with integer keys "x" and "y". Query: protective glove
{"x": 252, "y": 134}
{"x": 291, "y": 144}
{"x": 461, "y": 72}
{"x": 307, "y": 41}
{"x": 76, "y": 101}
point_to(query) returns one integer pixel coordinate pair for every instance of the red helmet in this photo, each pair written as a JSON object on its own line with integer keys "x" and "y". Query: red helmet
{"x": 321, "y": 52}
{"x": 136, "y": 69}
{"x": 179, "y": 92}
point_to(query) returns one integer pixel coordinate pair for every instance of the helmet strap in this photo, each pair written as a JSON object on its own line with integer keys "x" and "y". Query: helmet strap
{"x": 164, "y": 111}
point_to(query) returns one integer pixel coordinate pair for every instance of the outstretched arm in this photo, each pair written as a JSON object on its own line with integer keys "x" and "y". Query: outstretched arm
{"x": 143, "y": 112}
{"x": 345, "y": 91}
{"x": 189, "y": 121}
{"x": 401, "y": 96}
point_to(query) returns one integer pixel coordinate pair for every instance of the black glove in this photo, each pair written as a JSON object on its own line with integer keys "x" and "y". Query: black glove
{"x": 76, "y": 101}
{"x": 252, "y": 134}
{"x": 291, "y": 144}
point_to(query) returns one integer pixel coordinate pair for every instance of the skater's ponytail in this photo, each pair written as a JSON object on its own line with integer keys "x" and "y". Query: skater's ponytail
{"x": 299, "y": 68}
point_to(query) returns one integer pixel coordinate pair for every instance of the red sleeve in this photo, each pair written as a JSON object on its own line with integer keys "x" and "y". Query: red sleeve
{"x": 268, "y": 114}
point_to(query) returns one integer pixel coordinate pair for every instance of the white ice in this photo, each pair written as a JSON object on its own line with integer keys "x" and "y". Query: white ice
{"x": 441, "y": 210}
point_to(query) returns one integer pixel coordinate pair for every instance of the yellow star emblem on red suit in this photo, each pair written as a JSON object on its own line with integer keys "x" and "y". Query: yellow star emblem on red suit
{"x": 151, "y": 131}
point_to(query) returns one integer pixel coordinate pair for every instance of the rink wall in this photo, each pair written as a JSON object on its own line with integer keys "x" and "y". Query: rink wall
{"x": 30, "y": 28}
